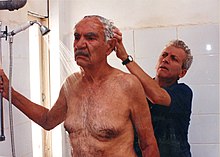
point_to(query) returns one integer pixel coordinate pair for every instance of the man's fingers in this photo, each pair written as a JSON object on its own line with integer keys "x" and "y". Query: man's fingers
{"x": 117, "y": 34}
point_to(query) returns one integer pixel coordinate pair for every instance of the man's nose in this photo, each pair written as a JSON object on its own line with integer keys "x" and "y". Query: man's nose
{"x": 166, "y": 59}
{"x": 79, "y": 44}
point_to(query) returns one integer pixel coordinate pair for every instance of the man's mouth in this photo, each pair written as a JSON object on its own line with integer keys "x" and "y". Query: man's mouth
{"x": 163, "y": 67}
{"x": 81, "y": 53}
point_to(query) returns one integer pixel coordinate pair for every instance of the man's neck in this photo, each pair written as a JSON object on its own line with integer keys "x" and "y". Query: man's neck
{"x": 96, "y": 74}
{"x": 165, "y": 82}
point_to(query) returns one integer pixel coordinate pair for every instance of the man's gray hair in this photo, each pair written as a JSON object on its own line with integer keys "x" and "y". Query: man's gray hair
{"x": 108, "y": 26}
{"x": 181, "y": 44}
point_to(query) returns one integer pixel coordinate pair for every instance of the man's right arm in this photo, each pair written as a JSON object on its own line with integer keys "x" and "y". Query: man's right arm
{"x": 44, "y": 117}
{"x": 153, "y": 91}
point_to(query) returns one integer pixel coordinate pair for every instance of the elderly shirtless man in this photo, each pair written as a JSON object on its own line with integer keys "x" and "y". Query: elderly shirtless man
{"x": 101, "y": 105}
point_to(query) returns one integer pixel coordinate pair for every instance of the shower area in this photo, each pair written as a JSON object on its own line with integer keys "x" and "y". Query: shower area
{"x": 41, "y": 63}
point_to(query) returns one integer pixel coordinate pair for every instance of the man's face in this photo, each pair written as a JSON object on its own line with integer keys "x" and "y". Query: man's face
{"x": 170, "y": 63}
{"x": 89, "y": 43}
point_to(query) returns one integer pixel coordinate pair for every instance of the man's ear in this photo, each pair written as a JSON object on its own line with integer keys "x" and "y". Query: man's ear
{"x": 183, "y": 73}
{"x": 111, "y": 46}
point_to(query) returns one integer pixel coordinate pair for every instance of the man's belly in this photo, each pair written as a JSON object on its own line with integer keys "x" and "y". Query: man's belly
{"x": 85, "y": 145}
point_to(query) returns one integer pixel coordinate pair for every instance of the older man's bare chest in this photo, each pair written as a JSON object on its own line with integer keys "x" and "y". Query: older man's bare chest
{"x": 97, "y": 111}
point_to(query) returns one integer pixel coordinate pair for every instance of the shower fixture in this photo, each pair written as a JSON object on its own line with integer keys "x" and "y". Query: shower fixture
{"x": 43, "y": 29}
{"x": 5, "y": 34}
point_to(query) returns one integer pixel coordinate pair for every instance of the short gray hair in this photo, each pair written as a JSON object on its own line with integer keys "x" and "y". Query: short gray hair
{"x": 181, "y": 44}
{"x": 108, "y": 26}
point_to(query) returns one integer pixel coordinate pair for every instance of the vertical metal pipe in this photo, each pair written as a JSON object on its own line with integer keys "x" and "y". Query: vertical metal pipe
{"x": 10, "y": 97}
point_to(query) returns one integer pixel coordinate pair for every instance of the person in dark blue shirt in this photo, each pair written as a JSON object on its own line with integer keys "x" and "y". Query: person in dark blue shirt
{"x": 170, "y": 102}
{"x": 171, "y": 123}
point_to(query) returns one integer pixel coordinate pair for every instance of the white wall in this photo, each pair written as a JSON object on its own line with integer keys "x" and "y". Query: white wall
{"x": 146, "y": 25}
{"x": 146, "y": 13}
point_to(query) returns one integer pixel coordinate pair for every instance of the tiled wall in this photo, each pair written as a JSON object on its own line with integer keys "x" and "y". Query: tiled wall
{"x": 204, "y": 80}
{"x": 145, "y": 45}
{"x": 203, "y": 77}
{"x": 21, "y": 82}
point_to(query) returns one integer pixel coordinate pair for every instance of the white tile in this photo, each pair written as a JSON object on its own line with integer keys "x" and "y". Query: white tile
{"x": 23, "y": 134}
{"x": 21, "y": 45}
{"x": 205, "y": 99}
{"x": 28, "y": 154}
{"x": 204, "y": 70}
{"x": 18, "y": 116}
{"x": 199, "y": 36}
{"x": 204, "y": 129}
{"x": 5, "y": 146}
{"x": 205, "y": 150}
{"x": 22, "y": 139}
{"x": 116, "y": 63}
{"x": 150, "y": 42}
{"x": 5, "y": 48}
{"x": 128, "y": 41}
{"x": 21, "y": 74}
{"x": 113, "y": 56}
{"x": 148, "y": 65}
{"x": 127, "y": 38}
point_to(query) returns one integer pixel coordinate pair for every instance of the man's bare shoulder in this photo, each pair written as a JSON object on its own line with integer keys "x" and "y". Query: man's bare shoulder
{"x": 130, "y": 80}
{"x": 73, "y": 77}
{"x": 71, "y": 80}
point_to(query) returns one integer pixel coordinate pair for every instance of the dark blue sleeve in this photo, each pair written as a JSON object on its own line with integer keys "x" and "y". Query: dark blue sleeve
{"x": 181, "y": 98}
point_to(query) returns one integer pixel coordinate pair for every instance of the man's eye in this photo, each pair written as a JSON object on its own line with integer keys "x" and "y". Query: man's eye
{"x": 174, "y": 58}
{"x": 164, "y": 54}
{"x": 76, "y": 37}
{"x": 90, "y": 38}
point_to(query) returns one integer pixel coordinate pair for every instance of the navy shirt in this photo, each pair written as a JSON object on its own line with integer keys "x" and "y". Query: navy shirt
{"x": 171, "y": 123}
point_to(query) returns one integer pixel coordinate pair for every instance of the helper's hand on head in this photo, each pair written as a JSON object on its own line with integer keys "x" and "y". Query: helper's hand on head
{"x": 119, "y": 48}
{"x": 4, "y": 84}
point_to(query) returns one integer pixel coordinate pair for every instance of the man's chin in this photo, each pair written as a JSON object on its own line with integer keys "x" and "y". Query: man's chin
{"x": 162, "y": 74}
{"x": 81, "y": 63}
